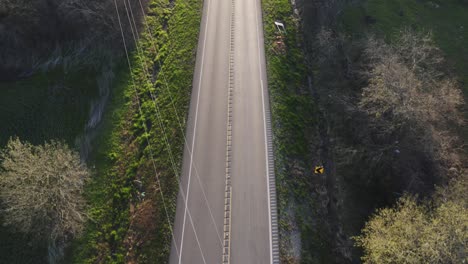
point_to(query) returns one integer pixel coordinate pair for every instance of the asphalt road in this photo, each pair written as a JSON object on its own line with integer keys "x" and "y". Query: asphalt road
{"x": 199, "y": 223}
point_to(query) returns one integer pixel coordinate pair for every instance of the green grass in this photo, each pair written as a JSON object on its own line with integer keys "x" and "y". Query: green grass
{"x": 124, "y": 155}
{"x": 52, "y": 105}
{"x": 291, "y": 105}
{"x": 106, "y": 142}
{"x": 294, "y": 117}
{"x": 448, "y": 22}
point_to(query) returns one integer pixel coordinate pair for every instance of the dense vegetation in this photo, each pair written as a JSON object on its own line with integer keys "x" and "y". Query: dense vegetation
{"x": 370, "y": 89}
{"x": 294, "y": 120}
{"x": 44, "y": 34}
{"x": 388, "y": 82}
{"x": 58, "y": 61}
{"x": 136, "y": 151}
{"x": 41, "y": 189}
{"x": 50, "y": 88}
{"x": 140, "y": 150}
{"x": 412, "y": 232}
{"x": 412, "y": 101}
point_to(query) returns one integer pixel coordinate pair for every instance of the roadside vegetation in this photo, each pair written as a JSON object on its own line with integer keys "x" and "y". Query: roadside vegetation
{"x": 389, "y": 79}
{"x": 54, "y": 81}
{"x": 415, "y": 232}
{"x": 135, "y": 152}
{"x": 446, "y": 20}
{"x": 41, "y": 191}
{"x": 294, "y": 118}
{"x": 133, "y": 196}
{"x": 412, "y": 104}
{"x": 47, "y": 35}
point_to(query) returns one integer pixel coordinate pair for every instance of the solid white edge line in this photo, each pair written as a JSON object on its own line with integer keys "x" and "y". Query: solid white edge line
{"x": 265, "y": 130}
{"x": 194, "y": 130}
{"x": 185, "y": 139}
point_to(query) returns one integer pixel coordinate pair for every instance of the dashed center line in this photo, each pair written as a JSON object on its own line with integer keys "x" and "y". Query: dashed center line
{"x": 228, "y": 187}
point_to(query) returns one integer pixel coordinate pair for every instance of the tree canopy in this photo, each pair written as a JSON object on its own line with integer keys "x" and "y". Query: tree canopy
{"x": 416, "y": 233}
{"x": 41, "y": 189}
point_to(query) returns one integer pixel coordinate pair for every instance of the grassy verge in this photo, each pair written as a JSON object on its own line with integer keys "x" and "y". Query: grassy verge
{"x": 446, "y": 19}
{"x": 129, "y": 220}
{"x": 294, "y": 118}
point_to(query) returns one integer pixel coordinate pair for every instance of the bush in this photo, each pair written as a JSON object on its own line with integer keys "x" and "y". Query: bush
{"x": 414, "y": 233}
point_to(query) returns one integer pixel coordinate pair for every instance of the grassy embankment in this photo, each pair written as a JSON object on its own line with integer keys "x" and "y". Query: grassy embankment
{"x": 447, "y": 20}
{"x": 294, "y": 120}
{"x": 129, "y": 221}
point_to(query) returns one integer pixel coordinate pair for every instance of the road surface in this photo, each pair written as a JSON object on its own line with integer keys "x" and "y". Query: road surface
{"x": 226, "y": 208}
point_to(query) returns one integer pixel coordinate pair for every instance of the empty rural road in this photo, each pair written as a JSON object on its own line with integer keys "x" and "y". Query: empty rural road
{"x": 226, "y": 208}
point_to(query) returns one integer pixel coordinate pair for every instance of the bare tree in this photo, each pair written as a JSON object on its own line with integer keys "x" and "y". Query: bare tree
{"x": 407, "y": 83}
{"x": 41, "y": 189}
{"x": 409, "y": 91}
{"x": 420, "y": 53}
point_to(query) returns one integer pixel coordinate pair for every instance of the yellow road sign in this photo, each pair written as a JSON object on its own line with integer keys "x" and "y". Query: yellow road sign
{"x": 319, "y": 170}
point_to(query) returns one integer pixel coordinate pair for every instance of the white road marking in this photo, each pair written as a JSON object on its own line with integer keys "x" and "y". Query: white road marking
{"x": 185, "y": 139}
{"x": 265, "y": 132}
{"x": 193, "y": 138}
{"x": 226, "y": 253}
